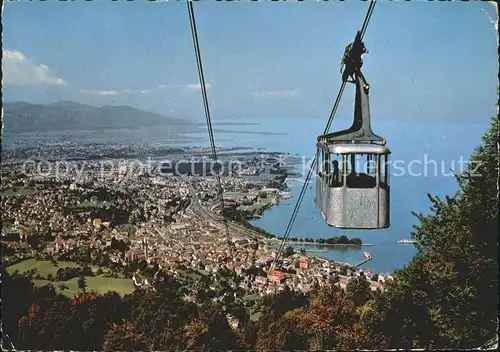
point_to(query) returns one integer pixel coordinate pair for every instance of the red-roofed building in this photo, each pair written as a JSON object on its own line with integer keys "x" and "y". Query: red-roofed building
{"x": 271, "y": 288}
{"x": 343, "y": 283}
{"x": 97, "y": 223}
{"x": 260, "y": 280}
{"x": 276, "y": 276}
{"x": 303, "y": 263}
{"x": 374, "y": 286}
{"x": 156, "y": 258}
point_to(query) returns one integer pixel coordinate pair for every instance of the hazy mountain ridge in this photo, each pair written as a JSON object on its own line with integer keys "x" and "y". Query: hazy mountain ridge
{"x": 26, "y": 117}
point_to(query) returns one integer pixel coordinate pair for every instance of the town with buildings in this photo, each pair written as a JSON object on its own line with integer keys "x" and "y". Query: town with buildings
{"x": 117, "y": 212}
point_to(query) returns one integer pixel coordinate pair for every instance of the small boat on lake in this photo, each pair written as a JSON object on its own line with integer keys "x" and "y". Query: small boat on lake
{"x": 285, "y": 195}
{"x": 406, "y": 241}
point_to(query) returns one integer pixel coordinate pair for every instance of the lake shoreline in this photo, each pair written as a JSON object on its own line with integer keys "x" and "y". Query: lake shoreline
{"x": 326, "y": 244}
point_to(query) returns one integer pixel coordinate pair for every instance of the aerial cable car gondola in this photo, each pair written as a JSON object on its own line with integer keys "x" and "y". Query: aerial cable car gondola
{"x": 349, "y": 195}
{"x": 345, "y": 197}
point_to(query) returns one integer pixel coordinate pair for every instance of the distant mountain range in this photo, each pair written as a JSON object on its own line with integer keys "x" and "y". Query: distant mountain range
{"x": 63, "y": 116}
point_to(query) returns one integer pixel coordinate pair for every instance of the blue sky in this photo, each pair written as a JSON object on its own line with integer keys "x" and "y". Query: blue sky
{"x": 427, "y": 61}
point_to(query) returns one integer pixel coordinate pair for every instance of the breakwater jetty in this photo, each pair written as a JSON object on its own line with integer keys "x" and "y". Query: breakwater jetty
{"x": 367, "y": 256}
{"x": 303, "y": 243}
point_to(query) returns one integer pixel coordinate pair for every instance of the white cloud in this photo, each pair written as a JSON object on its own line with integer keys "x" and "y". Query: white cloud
{"x": 114, "y": 92}
{"x": 134, "y": 91}
{"x": 494, "y": 23}
{"x": 98, "y": 92}
{"x": 197, "y": 86}
{"x": 187, "y": 87}
{"x": 278, "y": 94}
{"x": 20, "y": 70}
{"x": 13, "y": 55}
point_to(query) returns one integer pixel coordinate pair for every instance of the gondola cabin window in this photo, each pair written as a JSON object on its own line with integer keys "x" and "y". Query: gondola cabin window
{"x": 384, "y": 171}
{"x": 331, "y": 168}
{"x": 361, "y": 170}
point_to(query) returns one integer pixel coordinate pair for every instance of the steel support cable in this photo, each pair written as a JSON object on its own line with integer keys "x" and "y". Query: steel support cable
{"x": 5, "y": 340}
{"x": 308, "y": 178}
{"x": 366, "y": 21}
{"x": 367, "y": 17}
{"x": 201, "y": 75}
{"x": 313, "y": 164}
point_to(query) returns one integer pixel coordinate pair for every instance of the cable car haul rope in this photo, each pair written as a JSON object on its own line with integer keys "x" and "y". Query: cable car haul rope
{"x": 201, "y": 75}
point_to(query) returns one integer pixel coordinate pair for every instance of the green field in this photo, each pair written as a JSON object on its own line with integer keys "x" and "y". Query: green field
{"x": 44, "y": 267}
{"x": 235, "y": 195}
{"x": 263, "y": 202}
{"x": 67, "y": 293}
{"x": 190, "y": 274}
{"x": 19, "y": 191}
{"x": 100, "y": 284}
{"x": 251, "y": 297}
{"x": 88, "y": 204}
{"x": 255, "y": 314}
